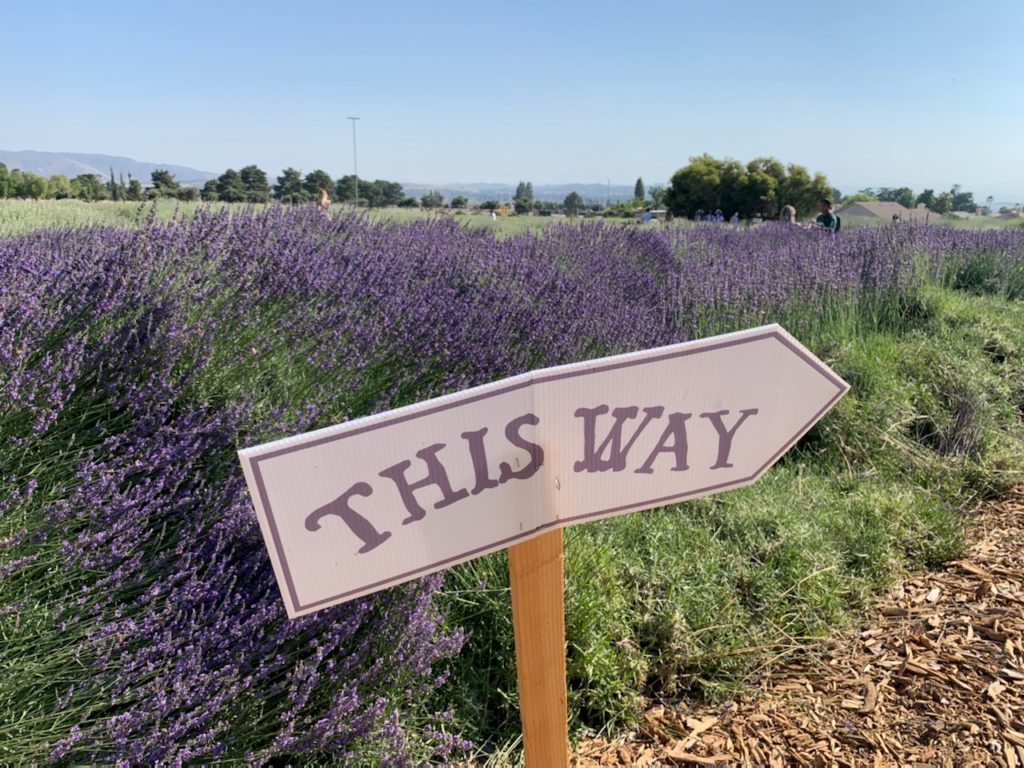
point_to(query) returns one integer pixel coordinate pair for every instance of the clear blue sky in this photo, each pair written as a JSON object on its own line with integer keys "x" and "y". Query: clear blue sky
{"x": 897, "y": 93}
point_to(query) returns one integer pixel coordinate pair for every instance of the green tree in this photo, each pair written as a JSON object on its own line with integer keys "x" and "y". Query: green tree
{"x": 943, "y": 203}
{"x": 902, "y": 195}
{"x": 459, "y": 202}
{"x": 209, "y": 191}
{"x": 345, "y": 189}
{"x": 317, "y": 180}
{"x": 523, "y": 200}
{"x": 432, "y": 199}
{"x": 289, "y": 188}
{"x": 573, "y": 203}
{"x": 113, "y": 187}
{"x": 164, "y": 184}
{"x": 657, "y": 194}
{"x": 861, "y": 197}
{"x": 391, "y": 192}
{"x": 230, "y": 187}
{"x": 761, "y": 187}
{"x": 257, "y": 188}
{"x": 695, "y": 186}
{"x": 638, "y": 190}
{"x": 58, "y": 187}
{"x": 28, "y": 185}
{"x": 88, "y": 187}
{"x": 489, "y": 205}
{"x": 408, "y": 202}
{"x": 4, "y": 181}
{"x": 928, "y": 199}
{"x": 134, "y": 190}
{"x": 372, "y": 193}
{"x": 962, "y": 201}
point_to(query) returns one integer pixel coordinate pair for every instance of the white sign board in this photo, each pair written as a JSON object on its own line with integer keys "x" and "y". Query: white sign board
{"x": 351, "y": 509}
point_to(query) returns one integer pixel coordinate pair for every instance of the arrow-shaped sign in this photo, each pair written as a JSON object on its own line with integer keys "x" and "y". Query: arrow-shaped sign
{"x": 364, "y": 505}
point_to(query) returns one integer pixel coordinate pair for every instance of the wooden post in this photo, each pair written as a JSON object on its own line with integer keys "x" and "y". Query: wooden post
{"x": 537, "y": 578}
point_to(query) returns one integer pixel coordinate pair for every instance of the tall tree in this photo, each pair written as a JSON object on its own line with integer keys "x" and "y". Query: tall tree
{"x": 927, "y": 198}
{"x": 391, "y": 192}
{"x": 28, "y": 185}
{"x": 164, "y": 184}
{"x": 257, "y": 188}
{"x": 289, "y": 187}
{"x": 58, "y": 187}
{"x": 4, "y": 181}
{"x": 209, "y": 191}
{"x": 230, "y": 187}
{"x": 115, "y": 192}
{"x": 697, "y": 186}
{"x": 638, "y": 190}
{"x": 761, "y": 187}
{"x": 962, "y": 201}
{"x": 134, "y": 190}
{"x": 523, "y": 200}
{"x": 87, "y": 186}
{"x": 345, "y": 189}
{"x": 433, "y": 199}
{"x": 573, "y": 203}
{"x": 317, "y": 180}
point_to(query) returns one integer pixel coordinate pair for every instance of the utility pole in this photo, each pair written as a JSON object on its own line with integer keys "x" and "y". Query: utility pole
{"x": 355, "y": 164}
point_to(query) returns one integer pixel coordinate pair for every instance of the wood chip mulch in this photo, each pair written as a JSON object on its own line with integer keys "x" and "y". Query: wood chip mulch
{"x": 935, "y": 681}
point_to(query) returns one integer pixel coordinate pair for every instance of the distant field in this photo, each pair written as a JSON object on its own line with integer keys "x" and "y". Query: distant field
{"x": 18, "y": 216}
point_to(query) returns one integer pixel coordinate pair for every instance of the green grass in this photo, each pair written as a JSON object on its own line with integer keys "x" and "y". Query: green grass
{"x": 700, "y": 599}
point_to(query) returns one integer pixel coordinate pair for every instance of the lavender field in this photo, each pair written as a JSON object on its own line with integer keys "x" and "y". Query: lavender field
{"x": 140, "y": 618}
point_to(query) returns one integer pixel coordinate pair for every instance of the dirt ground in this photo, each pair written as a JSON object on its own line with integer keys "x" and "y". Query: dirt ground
{"x": 936, "y": 679}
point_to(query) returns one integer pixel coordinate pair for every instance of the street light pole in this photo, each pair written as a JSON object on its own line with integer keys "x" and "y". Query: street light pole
{"x": 355, "y": 165}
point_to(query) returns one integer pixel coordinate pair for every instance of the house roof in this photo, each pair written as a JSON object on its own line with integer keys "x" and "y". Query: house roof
{"x": 882, "y": 211}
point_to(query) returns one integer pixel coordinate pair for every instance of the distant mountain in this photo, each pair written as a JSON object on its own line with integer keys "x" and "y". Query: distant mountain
{"x": 477, "y": 192}
{"x": 72, "y": 164}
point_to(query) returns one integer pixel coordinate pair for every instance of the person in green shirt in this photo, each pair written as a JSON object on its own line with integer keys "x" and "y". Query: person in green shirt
{"x": 826, "y": 219}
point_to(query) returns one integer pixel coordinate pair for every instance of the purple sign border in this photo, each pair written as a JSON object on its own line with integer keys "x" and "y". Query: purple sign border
{"x": 453, "y": 401}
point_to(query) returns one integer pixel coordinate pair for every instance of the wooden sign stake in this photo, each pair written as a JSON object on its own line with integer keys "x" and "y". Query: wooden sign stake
{"x": 536, "y": 574}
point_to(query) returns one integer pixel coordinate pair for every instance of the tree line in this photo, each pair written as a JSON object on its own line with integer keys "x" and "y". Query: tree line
{"x": 248, "y": 185}
{"x": 251, "y": 185}
{"x": 760, "y": 188}
{"x": 956, "y": 199}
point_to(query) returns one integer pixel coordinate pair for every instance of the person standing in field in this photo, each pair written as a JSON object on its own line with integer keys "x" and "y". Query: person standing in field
{"x": 789, "y": 214}
{"x": 826, "y": 219}
{"x": 323, "y": 202}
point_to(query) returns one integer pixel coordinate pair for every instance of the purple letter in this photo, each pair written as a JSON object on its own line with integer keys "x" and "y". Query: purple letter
{"x": 478, "y": 454}
{"x": 725, "y": 436}
{"x": 592, "y": 461}
{"x": 677, "y": 429}
{"x": 435, "y": 476}
{"x": 356, "y": 523}
{"x": 535, "y": 451}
